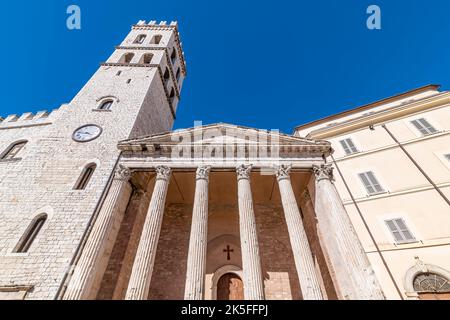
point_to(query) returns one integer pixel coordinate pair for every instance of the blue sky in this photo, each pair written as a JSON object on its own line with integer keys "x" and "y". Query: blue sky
{"x": 265, "y": 64}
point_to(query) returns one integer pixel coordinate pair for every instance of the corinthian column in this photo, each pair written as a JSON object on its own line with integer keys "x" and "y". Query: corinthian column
{"x": 251, "y": 264}
{"x": 141, "y": 274}
{"x": 353, "y": 272}
{"x": 196, "y": 264}
{"x": 309, "y": 283}
{"x": 93, "y": 261}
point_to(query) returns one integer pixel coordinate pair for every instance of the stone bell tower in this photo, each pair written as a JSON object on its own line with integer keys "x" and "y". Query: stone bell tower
{"x": 45, "y": 220}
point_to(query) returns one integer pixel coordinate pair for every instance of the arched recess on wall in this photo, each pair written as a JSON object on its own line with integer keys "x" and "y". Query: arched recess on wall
{"x": 229, "y": 268}
{"x": 31, "y": 233}
{"x": 419, "y": 269}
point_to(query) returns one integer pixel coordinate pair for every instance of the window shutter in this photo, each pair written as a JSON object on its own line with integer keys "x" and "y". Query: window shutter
{"x": 400, "y": 231}
{"x": 370, "y": 182}
{"x": 348, "y": 146}
{"x": 375, "y": 184}
{"x": 423, "y": 126}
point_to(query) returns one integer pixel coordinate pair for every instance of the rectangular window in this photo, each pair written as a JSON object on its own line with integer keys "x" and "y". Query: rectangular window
{"x": 348, "y": 146}
{"x": 424, "y": 127}
{"x": 447, "y": 156}
{"x": 371, "y": 183}
{"x": 400, "y": 231}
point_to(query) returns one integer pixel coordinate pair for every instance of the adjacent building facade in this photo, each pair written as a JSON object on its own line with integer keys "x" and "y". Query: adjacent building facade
{"x": 392, "y": 159}
{"x": 101, "y": 200}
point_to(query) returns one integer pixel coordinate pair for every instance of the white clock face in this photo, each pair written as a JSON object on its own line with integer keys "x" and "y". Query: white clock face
{"x": 87, "y": 133}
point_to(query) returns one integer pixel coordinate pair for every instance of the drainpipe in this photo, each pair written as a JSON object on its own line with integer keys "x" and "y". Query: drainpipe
{"x": 416, "y": 164}
{"x": 63, "y": 286}
{"x": 368, "y": 229}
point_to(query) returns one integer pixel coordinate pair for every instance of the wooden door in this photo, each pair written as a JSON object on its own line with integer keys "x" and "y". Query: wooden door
{"x": 230, "y": 287}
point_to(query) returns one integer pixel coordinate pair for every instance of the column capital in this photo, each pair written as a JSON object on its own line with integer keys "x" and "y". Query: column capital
{"x": 243, "y": 171}
{"x": 324, "y": 171}
{"x": 203, "y": 173}
{"x": 122, "y": 173}
{"x": 283, "y": 172}
{"x": 163, "y": 173}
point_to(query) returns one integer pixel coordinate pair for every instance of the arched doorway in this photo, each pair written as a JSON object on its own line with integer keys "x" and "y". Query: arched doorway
{"x": 230, "y": 287}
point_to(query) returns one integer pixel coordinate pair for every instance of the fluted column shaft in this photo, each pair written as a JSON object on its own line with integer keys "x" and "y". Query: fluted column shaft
{"x": 141, "y": 273}
{"x": 353, "y": 272}
{"x": 196, "y": 264}
{"x": 93, "y": 260}
{"x": 307, "y": 275}
{"x": 251, "y": 264}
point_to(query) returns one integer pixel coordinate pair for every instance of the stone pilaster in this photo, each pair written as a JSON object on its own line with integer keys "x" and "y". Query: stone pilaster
{"x": 251, "y": 264}
{"x": 309, "y": 282}
{"x": 93, "y": 261}
{"x": 196, "y": 264}
{"x": 354, "y": 274}
{"x": 141, "y": 273}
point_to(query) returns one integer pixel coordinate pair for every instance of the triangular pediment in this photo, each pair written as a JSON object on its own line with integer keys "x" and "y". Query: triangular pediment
{"x": 223, "y": 135}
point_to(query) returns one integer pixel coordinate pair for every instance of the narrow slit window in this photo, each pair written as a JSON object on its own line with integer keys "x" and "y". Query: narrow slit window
{"x": 13, "y": 150}
{"x": 423, "y": 126}
{"x": 371, "y": 183}
{"x": 178, "y": 74}
{"x": 166, "y": 75}
{"x": 85, "y": 177}
{"x": 173, "y": 56}
{"x": 172, "y": 95}
{"x": 31, "y": 234}
{"x": 348, "y": 146}
{"x": 400, "y": 231}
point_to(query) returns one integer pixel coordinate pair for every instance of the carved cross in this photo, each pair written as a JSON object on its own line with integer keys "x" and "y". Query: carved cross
{"x": 228, "y": 251}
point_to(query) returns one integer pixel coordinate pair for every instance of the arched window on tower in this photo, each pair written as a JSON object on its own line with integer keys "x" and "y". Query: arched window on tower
{"x": 12, "y": 151}
{"x": 156, "y": 39}
{"x": 140, "y": 39}
{"x": 147, "y": 58}
{"x": 173, "y": 56}
{"x": 30, "y": 234}
{"x": 85, "y": 176}
{"x": 127, "y": 57}
{"x": 106, "y": 105}
{"x": 166, "y": 75}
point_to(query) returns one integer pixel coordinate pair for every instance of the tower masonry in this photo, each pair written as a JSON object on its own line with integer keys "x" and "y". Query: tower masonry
{"x": 55, "y": 166}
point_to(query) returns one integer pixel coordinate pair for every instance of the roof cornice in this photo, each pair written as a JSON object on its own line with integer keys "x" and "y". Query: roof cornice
{"x": 369, "y": 106}
{"x": 381, "y": 116}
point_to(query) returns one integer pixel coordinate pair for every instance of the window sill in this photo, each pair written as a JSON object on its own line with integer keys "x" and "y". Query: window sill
{"x": 100, "y": 110}
{"x": 406, "y": 242}
{"x": 10, "y": 160}
{"x": 377, "y": 193}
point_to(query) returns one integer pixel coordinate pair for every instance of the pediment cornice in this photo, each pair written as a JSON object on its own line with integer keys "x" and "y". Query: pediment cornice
{"x": 225, "y": 136}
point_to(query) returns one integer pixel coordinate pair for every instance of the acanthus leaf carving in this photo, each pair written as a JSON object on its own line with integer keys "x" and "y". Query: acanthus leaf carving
{"x": 324, "y": 171}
